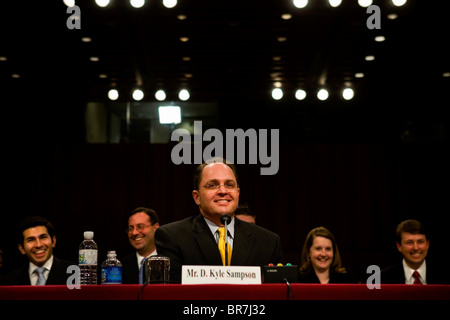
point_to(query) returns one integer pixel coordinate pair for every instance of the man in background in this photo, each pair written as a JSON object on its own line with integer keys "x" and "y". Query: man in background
{"x": 142, "y": 224}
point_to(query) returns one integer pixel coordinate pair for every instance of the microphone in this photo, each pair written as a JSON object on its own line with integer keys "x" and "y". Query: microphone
{"x": 225, "y": 220}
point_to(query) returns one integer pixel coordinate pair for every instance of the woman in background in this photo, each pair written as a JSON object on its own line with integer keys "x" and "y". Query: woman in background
{"x": 321, "y": 261}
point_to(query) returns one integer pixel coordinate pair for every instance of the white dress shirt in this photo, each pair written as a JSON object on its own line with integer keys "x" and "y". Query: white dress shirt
{"x": 409, "y": 279}
{"x": 34, "y": 276}
{"x": 214, "y": 227}
{"x": 140, "y": 258}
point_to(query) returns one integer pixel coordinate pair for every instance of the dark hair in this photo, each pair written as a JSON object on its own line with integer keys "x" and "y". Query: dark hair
{"x": 336, "y": 264}
{"x": 245, "y": 211}
{"x": 409, "y": 226}
{"x": 34, "y": 221}
{"x": 197, "y": 177}
{"x": 153, "y": 216}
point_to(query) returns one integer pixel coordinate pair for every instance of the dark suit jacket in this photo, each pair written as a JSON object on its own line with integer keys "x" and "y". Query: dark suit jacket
{"x": 130, "y": 270}
{"x": 396, "y": 275}
{"x": 190, "y": 242}
{"x": 57, "y": 275}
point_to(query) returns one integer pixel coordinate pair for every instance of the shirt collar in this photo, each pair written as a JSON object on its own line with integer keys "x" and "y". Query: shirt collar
{"x": 409, "y": 272}
{"x": 140, "y": 258}
{"x": 213, "y": 227}
{"x": 47, "y": 265}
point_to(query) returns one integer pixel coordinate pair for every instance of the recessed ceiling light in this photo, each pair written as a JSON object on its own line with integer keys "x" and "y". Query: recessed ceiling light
{"x": 359, "y": 75}
{"x": 181, "y": 17}
{"x": 169, "y": 3}
{"x": 86, "y": 39}
{"x": 392, "y": 16}
{"x": 369, "y": 58}
{"x": 286, "y": 16}
{"x": 380, "y": 38}
{"x": 15, "y": 75}
{"x": 281, "y": 39}
{"x": 186, "y": 58}
{"x": 184, "y": 39}
{"x": 95, "y": 59}
{"x": 3, "y": 58}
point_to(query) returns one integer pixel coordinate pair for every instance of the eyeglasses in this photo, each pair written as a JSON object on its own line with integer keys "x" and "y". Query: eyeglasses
{"x": 215, "y": 186}
{"x": 140, "y": 227}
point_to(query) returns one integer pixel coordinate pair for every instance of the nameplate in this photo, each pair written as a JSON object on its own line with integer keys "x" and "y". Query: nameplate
{"x": 220, "y": 275}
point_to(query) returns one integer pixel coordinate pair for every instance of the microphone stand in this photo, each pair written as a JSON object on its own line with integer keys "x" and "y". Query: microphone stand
{"x": 225, "y": 219}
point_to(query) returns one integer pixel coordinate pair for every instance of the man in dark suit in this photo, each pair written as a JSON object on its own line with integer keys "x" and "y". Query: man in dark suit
{"x": 194, "y": 241}
{"x": 37, "y": 240}
{"x": 413, "y": 243}
{"x": 142, "y": 224}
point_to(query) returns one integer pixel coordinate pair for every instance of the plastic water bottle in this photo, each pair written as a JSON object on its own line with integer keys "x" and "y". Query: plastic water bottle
{"x": 87, "y": 259}
{"x": 111, "y": 269}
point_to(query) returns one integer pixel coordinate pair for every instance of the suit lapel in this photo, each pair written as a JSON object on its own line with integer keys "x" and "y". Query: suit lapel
{"x": 206, "y": 242}
{"x": 242, "y": 245}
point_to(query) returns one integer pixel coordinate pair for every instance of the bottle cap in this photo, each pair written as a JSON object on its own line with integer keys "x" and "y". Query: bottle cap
{"x": 89, "y": 235}
{"x": 111, "y": 253}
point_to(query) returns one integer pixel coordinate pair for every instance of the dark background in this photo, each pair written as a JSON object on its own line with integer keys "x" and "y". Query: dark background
{"x": 357, "y": 169}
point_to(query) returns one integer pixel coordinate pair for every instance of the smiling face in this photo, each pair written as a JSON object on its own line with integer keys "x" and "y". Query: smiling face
{"x": 213, "y": 203}
{"x": 321, "y": 254}
{"x": 414, "y": 248}
{"x": 142, "y": 237}
{"x": 37, "y": 245}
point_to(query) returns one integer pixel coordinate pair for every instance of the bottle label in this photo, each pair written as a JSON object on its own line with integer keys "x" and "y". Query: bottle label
{"x": 87, "y": 257}
{"x": 112, "y": 275}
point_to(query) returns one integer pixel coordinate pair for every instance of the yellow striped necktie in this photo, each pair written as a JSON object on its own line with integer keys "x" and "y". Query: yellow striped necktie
{"x": 222, "y": 246}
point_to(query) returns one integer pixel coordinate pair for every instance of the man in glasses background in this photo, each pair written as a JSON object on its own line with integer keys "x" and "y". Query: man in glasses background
{"x": 142, "y": 224}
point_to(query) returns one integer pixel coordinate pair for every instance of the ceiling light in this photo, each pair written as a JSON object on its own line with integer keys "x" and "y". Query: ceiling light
{"x": 348, "y": 93}
{"x": 369, "y": 58}
{"x": 300, "y": 3}
{"x": 95, "y": 59}
{"x": 300, "y": 94}
{"x": 113, "y": 94}
{"x": 138, "y": 95}
{"x": 359, "y": 75}
{"x": 286, "y": 16}
{"x": 137, "y": 3}
{"x": 160, "y": 95}
{"x": 169, "y": 114}
{"x": 184, "y": 39}
{"x": 277, "y": 93}
{"x": 380, "y": 38}
{"x": 3, "y": 58}
{"x": 86, "y": 39}
{"x": 15, "y": 75}
{"x": 398, "y": 3}
{"x": 365, "y": 3}
{"x": 392, "y": 16}
{"x": 184, "y": 95}
{"x": 102, "y": 3}
{"x": 169, "y": 3}
{"x": 322, "y": 94}
{"x": 335, "y": 3}
{"x": 181, "y": 17}
{"x": 446, "y": 74}
{"x": 69, "y": 3}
